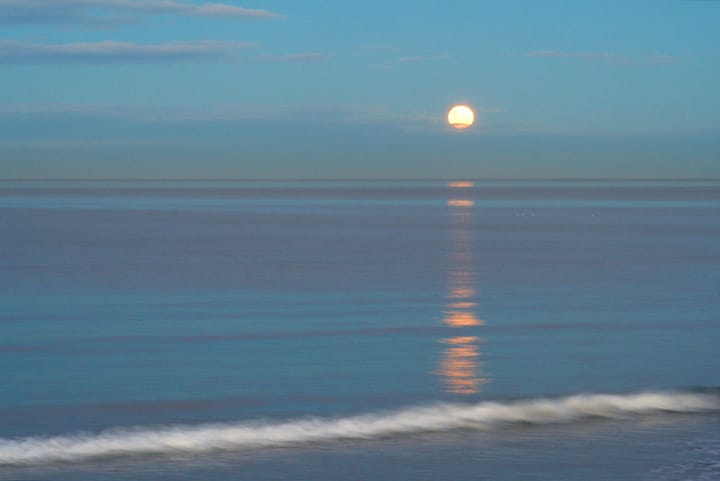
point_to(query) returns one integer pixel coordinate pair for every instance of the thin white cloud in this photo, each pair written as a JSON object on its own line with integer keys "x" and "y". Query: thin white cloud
{"x": 111, "y": 52}
{"x": 98, "y": 12}
{"x": 660, "y": 58}
{"x": 105, "y": 52}
{"x": 352, "y": 114}
{"x": 291, "y": 58}
{"x": 230, "y": 11}
{"x": 605, "y": 56}
{"x": 422, "y": 58}
{"x": 383, "y": 48}
{"x": 149, "y": 118}
{"x": 391, "y": 63}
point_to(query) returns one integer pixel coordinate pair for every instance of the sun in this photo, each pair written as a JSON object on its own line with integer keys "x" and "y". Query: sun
{"x": 461, "y": 117}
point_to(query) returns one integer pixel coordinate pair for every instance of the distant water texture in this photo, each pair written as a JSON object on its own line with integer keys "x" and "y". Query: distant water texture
{"x": 348, "y": 330}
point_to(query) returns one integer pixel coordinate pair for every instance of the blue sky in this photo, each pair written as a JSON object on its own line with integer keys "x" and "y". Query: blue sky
{"x": 323, "y": 89}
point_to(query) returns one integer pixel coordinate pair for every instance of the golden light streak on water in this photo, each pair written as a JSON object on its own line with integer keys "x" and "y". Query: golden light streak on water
{"x": 459, "y": 365}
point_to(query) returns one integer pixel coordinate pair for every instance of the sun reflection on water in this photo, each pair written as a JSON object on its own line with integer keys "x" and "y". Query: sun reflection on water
{"x": 460, "y": 203}
{"x": 460, "y": 184}
{"x": 460, "y": 366}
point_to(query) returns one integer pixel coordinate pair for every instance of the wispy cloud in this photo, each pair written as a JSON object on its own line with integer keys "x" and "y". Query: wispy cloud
{"x": 337, "y": 114}
{"x": 291, "y": 58}
{"x": 422, "y": 58}
{"x": 99, "y": 12}
{"x": 108, "y": 52}
{"x": 230, "y": 11}
{"x": 661, "y": 58}
{"x": 383, "y": 49}
{"x": 560, "y": 54}
{"x": 239, "y": 115}
{"x": 391, "y": 62}
{"x": 391, "y": 57}
{"x": 608, "y": 57}
{"x": 111, "y": 52}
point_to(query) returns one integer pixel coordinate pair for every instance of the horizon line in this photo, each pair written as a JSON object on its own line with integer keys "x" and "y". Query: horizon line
{"x": 363, "y": 179}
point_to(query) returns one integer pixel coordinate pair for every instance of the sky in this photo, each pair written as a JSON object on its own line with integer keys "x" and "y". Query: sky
{"x": 320, "y": 89}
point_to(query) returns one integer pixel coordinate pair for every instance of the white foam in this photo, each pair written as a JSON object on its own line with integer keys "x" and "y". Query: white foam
{"x": 188, "y": 439}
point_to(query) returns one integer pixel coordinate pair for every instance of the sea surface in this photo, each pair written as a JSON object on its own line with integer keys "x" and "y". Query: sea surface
{"x": 265, "y": 330}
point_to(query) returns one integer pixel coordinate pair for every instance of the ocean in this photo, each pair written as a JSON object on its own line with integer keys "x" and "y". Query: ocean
{"x": 359, "y": 330}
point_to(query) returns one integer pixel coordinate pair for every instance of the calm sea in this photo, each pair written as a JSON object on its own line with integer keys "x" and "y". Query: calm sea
{"x": 359, "y": 331}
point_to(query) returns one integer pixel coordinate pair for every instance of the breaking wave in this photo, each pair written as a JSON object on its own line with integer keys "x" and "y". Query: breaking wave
{"x": 488, "y": 416}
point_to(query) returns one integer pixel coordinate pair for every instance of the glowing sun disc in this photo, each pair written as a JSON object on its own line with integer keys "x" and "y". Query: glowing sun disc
{"x": 461, "y": 117}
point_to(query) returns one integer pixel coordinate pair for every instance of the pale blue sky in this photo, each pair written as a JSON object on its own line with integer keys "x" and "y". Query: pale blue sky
{"x": 322, "y": 89}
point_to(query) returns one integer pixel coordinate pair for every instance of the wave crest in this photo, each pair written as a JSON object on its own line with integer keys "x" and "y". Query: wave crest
{"x": 189, "y": 439}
